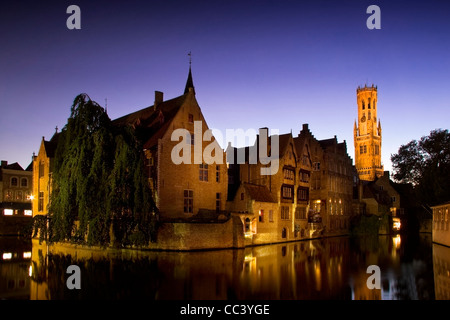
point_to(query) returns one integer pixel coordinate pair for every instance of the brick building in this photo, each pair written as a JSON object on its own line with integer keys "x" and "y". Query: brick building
{"x": 273, "y": 208}
{"x": 43, "y": 164}
{"x": 176, "y": 131}
{"x": 331, "y": 186}
{"x": 367, "y": 135}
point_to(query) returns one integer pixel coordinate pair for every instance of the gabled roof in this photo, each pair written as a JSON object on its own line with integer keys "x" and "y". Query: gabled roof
{"x": 153, "y": 121}
{"x": 13, "y": 166}
{"x": 258, "y": 192}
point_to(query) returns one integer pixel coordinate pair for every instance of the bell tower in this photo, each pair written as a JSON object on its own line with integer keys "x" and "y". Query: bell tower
{"x": 367, "y": 135}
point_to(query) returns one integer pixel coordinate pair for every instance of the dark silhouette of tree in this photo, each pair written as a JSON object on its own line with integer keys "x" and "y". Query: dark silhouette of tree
{"x": 98, "y": 178}
{"x": 426, "y": 165}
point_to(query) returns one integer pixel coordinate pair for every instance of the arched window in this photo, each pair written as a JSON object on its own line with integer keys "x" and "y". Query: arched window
{"x": 24, "y": 182}
{"x": 368, "y": 104}
{"x": 14, "y": 182}
{"x": 369, "y": 115}
{"x": 363, "y": 105}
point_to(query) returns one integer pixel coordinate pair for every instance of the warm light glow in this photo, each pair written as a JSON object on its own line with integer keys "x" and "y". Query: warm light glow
{"x": 396, "y": 224}
{"x": 7, "y": 256}
{"x": 30, "y": 270}
{"x": 8, "y": 212}
{"x": 30, "y": 197}
{"x": 28, "y": 212}
{"x": 27, "y": 255}
{"x": 396, "y": 240}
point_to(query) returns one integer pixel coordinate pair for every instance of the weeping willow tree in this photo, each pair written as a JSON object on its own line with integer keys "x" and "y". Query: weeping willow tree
{"x": 98, "y": 180}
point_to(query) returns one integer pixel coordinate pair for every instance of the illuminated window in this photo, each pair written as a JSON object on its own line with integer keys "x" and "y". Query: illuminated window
{"x": 28, "y": 212}
{"x": 261, "y": 215}
{"x": 7, "y": 256}
{"x": 8, "y": 212}
{"x": 8, "y": 194}
{"x": 188, "y": 201}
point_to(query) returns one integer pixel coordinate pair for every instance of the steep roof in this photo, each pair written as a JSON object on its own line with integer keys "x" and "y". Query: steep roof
{"x": 258, "y": 192}
{"x": 153, "y": 121}
{"x": 189, "y": 83}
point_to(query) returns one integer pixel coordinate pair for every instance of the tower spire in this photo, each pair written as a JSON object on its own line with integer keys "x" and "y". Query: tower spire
{"x": 189, "y": 82}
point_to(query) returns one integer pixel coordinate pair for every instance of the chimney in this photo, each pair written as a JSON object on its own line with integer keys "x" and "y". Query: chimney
{"x": 159, "y": 97}
{"x": 4, "y": 163}
{"x": 305, "y": 127}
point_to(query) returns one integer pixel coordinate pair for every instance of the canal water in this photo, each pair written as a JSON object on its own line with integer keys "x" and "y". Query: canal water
{"x": 329, "y": 268}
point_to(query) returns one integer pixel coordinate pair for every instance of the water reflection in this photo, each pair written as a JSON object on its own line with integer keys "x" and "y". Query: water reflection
{"x": 15, "y": 257}
{"x": 441, "y": 266}
{"x": 332, "y": 268}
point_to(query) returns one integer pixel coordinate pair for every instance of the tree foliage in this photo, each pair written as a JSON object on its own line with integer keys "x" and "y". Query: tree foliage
{"x": 98, "y": 179}
{"x": 426, "y": 164}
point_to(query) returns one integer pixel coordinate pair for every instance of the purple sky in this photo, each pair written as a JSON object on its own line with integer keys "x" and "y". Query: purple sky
{"x": 275, "y": 64}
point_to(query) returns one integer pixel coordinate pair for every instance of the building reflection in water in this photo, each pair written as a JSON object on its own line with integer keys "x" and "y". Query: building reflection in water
{"x": 332, "y": 268}
{"x": 15, "y": 257}
{"x": 441, "y": 267}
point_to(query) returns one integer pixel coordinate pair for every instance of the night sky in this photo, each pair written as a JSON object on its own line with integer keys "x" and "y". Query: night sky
{"x": 275, "y": 64}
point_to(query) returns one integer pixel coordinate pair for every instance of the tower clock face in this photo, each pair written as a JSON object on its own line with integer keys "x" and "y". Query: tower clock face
{"x": 363, "y": 118}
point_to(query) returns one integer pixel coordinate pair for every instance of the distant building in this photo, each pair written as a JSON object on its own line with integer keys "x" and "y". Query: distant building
{"x": 367, "y": 135}
{"x": 441, "y": 230}
{"x": 331, "y": 193}
{"x": 15, "y": 197}
{"x": 272, "y": 207}
{"x": 310, "y": 196}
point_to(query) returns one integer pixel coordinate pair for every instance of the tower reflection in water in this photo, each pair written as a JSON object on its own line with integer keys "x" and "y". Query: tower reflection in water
{"x": 331, "y": 268}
